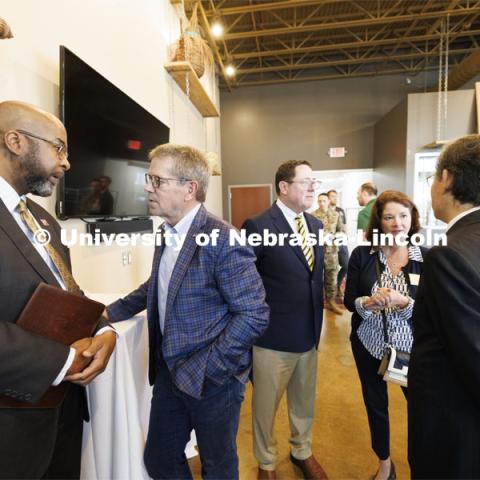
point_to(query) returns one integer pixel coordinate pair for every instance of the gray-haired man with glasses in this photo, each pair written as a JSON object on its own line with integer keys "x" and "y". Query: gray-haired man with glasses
{"x": 205, "y": 307}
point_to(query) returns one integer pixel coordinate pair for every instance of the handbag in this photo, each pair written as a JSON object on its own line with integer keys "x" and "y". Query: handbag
{"x": 394, "y": 364}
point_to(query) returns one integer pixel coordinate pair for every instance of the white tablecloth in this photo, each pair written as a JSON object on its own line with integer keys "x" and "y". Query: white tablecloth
{"x": 119, "y": 402}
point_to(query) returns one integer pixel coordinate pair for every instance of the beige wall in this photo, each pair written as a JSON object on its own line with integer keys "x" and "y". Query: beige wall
{"x": 264, "y": 126}
{"x": 128, "y": 43}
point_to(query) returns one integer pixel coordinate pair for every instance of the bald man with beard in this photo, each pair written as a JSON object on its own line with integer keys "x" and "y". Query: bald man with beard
{"x": 38, "y": 442}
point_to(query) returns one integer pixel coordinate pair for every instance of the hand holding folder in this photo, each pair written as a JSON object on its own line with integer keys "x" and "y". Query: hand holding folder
{"x": 61, "y": 316}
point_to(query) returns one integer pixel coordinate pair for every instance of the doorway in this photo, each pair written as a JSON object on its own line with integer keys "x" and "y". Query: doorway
{"x": 346, "y": 183}
{"x": 246, "y": 201}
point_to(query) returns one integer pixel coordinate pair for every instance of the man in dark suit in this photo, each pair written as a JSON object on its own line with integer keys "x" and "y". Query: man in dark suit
{"x": 37, "y": 442}
{"x": 285, "y": 357}
{"x": 205, "y": 307}
{"x": 444, "y": 376}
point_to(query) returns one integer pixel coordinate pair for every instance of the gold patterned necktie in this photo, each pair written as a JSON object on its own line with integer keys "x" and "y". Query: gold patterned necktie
{"x": 63, "y": 270}
{"x": 306, "y": 249}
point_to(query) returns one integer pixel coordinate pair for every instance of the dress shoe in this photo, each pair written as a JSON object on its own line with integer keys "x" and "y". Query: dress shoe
{"x": 392, "y": 475}
{"x": 310, "y": 468}
{"x": 266, "y": 474}
{"x": 332, "y": 306}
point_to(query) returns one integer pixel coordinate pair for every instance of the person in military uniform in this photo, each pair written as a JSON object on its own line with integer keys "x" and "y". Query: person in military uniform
{"x": 332, "y": 224}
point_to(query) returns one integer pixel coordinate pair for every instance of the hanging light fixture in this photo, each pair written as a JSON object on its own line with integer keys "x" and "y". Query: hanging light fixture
{"x": 217, "y": 27}
{"x": 230, "y": 70}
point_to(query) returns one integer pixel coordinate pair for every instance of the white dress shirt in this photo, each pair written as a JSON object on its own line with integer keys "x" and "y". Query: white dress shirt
{"x": 459, "y": 216}
{"x": 174, "y": 238}
{"x": 290, "y": 216}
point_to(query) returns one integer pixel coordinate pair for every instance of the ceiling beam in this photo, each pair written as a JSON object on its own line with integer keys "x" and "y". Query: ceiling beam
{"x": 336, "y": 76}
{"x": 352, "y": 23}
{"x": 453, "y": 3}
{"x": 262, "y": 7}
{"x": 351, "y": 15}
{"x": 346, "y": 45}
{"x": 347, "y": 61}
{"x": 344, "y": 35}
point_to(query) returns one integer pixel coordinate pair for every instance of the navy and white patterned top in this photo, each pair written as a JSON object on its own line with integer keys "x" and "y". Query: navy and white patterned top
{"x": 399, "y": 325}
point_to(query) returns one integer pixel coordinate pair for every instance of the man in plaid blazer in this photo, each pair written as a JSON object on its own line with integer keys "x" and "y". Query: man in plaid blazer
{"x": 205, "y": 307}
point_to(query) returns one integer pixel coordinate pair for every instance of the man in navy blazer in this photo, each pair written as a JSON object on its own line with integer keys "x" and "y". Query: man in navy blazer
{"x": 285, "y": 357}
{"x": 205, "y": 307}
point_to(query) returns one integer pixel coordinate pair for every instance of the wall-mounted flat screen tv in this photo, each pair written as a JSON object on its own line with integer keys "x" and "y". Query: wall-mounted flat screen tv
{"x": 109, "y": 137}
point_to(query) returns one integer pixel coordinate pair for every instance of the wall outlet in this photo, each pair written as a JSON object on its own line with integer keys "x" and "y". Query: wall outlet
{"x": 125, "y": 261}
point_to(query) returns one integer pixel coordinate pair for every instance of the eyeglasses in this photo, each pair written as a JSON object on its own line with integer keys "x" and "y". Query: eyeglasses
{"x": 430, "y": 179}
{"x": 58, "y": 145}
{"x": 156, "y": 181}
{"x": 307, "y": 182}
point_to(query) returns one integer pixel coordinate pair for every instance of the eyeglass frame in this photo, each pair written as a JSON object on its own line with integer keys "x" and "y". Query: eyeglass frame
{"x": 58, "y": 145}
{"x": 158, "y": 180}
{"x": 306, "y": 182}
{"x": 430, "y": 179}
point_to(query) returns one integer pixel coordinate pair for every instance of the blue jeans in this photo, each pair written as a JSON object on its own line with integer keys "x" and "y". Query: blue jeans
{"x": 214, "y": 418}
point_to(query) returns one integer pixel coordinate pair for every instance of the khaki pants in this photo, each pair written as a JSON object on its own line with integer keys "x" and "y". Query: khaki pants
{"x": 273, "y": 373}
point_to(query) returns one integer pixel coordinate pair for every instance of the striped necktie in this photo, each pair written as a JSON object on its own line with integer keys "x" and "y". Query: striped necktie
{"x": 306, "y": 249}
{"x": 63, "y": 270}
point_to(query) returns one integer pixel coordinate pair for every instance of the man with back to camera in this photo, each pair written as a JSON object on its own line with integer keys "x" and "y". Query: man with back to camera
{"x": 366, "y": 196}
{"x": 205, "y": 308}
{"x": 38, "y": 442}
{"x": 332, "y": 225}
{"x": 444, "y": 372}
{"x": 285, "y": 357}
{"x": 342, "y": 249}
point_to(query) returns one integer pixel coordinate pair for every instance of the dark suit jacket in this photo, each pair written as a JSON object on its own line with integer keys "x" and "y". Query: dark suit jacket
{"x": 444, "y": 373}
{"x": 215, "y": 310}
{"x": 28, "y": 363}
{"x": 294, "y": 293}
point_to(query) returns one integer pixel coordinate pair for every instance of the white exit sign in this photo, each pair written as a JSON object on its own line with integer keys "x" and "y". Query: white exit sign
{"x": 337, "y": 152}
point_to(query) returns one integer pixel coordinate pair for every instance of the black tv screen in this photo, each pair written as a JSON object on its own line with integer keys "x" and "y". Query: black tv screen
{"x": 109, "y": 137}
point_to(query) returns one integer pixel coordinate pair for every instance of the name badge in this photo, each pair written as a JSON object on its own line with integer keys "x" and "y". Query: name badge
{"x": 414, "y": 278}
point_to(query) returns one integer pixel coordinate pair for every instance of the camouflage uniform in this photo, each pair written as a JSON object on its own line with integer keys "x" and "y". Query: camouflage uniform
{"x": 332, "y": 223}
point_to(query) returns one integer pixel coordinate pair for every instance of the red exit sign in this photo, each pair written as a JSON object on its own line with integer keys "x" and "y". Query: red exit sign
{"x": 337, "y": 152}
{"x": 134, "y": 144}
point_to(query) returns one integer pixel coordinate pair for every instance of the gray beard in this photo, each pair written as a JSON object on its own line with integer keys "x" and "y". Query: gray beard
{"x": 34, "y": 177}
{"x": 42, "y": 188}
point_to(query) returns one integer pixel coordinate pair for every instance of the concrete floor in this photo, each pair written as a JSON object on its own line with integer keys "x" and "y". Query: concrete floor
{"x": 341, "y": 439}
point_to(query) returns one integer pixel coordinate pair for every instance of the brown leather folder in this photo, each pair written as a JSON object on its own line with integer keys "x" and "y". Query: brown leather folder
{"x": 60, "y": 316}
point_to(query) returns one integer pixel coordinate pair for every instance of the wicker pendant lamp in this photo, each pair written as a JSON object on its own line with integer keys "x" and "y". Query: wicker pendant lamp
{"x": 5, "y": 31}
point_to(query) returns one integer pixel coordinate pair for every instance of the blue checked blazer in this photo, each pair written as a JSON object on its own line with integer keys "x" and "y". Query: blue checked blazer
{"x": 215, "y": 309}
